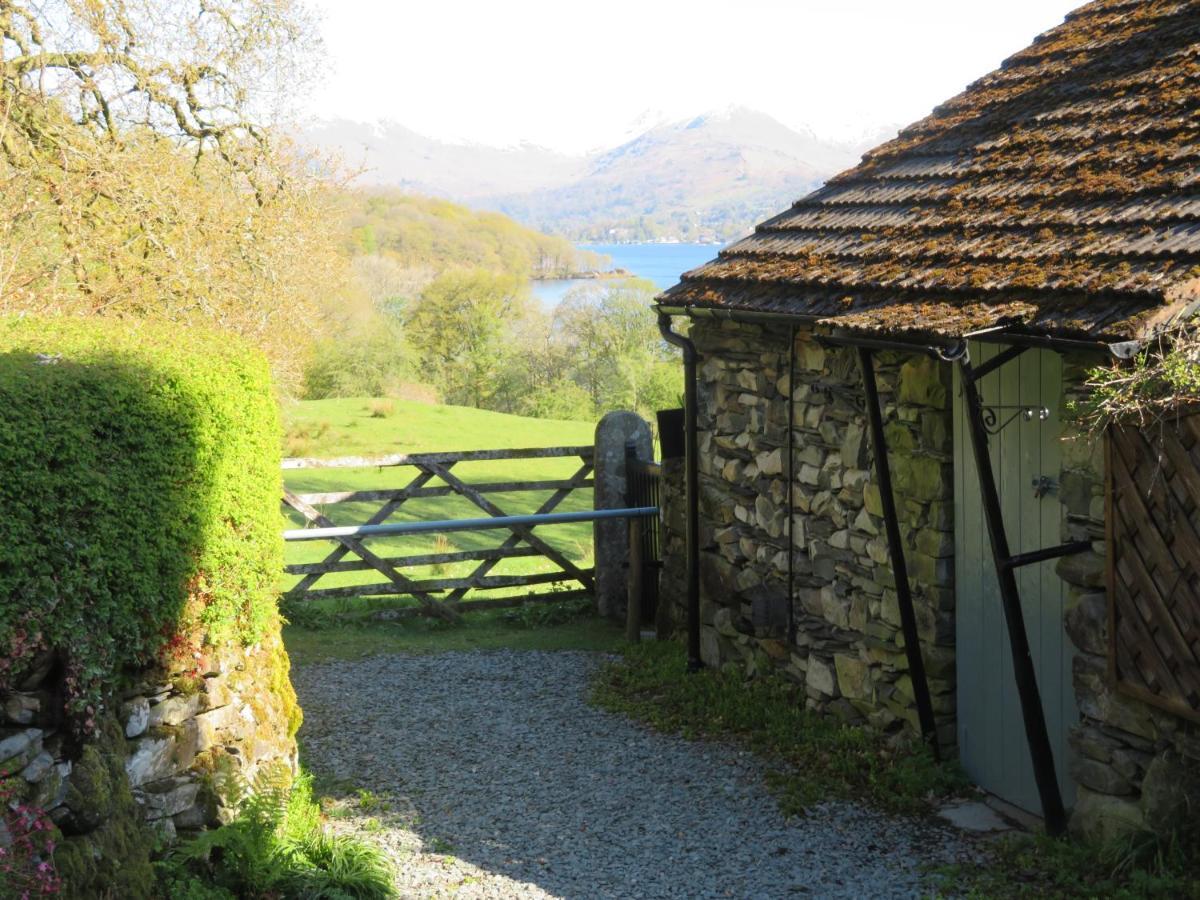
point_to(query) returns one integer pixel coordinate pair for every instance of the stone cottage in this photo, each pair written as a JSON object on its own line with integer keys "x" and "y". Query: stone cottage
{"x": 894, "y": 504}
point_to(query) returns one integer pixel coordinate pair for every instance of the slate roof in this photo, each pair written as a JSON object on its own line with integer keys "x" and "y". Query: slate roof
{"x": 1060, "y": 194}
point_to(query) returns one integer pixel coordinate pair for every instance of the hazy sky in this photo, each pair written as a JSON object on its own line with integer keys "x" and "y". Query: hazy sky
{"x": 573, "y": 76}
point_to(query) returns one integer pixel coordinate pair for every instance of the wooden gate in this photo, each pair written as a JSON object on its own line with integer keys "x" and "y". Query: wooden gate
{"x": 432, "y": 476}
{"x": 1154, "y": 563}
{"x": 1025, "y": 453}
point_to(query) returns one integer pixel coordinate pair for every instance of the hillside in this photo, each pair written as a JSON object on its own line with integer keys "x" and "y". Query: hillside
{"x": 428, "y": 233}
{"x": 705, "y": 178}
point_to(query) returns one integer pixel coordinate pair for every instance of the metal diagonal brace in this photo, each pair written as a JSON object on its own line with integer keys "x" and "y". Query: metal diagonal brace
{"x": 908, "y": 619}
{"x": 1040, "y": 751}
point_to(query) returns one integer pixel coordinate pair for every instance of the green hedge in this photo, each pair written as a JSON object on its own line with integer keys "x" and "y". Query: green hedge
{"x": 139, "y": 497}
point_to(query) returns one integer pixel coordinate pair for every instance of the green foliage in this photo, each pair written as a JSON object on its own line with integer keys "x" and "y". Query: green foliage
{"x": 1162, "y": 379}
{"x": 141, "y": 497}
{"x": 817, "y": 758}
{"x": 539, "y": 615}
{"x": 607, "y": 342}
{"x": 276, "y": 847}
{"x": 468, "y": 325}
{"x": 366, "y": 362}
{"x": 1142, "y": 865}
{"x": 425, "y": 232}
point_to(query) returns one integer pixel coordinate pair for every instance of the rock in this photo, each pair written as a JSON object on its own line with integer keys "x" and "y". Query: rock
{"x": 192, "y": 818}
{"x": 1086, "y": 621}
{"x": 853, "y": 677}
{"x": 38, "y": 768}
{"x": 1105, "y": 818}
{"x": 137, "y": 716}
{"x": 920, "y": 477}
{"x": 820, "y": 677}
{"x": 923, "y": 382}
{"x": 1100, "y": 777}
{"x": 854, "y": 447}
{"x": 1087, "y": 569}
{"x": 175, "y": 710}
{"x": 1170, "y": 792}
{"x": 167, "y": 798}
{"x": 20, "y": 709}
{"x": 19, "y": 744}
{"x": 152, "y": 758}
{"x": 872, "y": 501}
{"x": 770, "y": 463}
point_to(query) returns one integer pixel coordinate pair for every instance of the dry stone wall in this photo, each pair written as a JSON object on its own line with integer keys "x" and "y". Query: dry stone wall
{"x": 839, "y": 631}
{"x": 152, "y": 767}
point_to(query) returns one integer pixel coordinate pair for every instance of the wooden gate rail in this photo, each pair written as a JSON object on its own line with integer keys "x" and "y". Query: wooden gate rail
{"x": 521, "y": 542}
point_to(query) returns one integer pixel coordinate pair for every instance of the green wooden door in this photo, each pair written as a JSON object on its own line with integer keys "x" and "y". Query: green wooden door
{"x": 991, "y": 733}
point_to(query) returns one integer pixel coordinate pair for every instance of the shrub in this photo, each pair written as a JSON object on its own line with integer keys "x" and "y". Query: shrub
{"x": 140, "y": 498}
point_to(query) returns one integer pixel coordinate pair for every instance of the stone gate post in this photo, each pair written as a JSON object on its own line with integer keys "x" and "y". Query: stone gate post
{"x": 611, "y": 536}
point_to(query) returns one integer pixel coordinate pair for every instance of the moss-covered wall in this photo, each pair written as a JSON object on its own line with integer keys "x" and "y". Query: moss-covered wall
{"x": 140, "y": 653}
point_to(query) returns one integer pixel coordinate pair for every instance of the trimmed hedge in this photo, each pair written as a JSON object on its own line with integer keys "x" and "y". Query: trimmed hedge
{"x": 139, "y": 499}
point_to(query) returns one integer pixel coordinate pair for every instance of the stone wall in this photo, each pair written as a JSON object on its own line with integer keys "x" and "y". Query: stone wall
{"x": 1135, "y": 766}
{"x": 844, "y": 642}
{"x": 151, "y": 768}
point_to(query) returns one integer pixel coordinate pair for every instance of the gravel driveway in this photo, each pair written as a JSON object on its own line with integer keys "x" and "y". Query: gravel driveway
{"x": 491, "y": 776}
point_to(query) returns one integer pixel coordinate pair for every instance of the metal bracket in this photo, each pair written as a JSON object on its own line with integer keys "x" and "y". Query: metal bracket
{"x": 1026, "y": 413}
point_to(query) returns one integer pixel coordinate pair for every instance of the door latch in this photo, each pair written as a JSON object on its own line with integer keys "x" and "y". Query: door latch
{"x": 1044, "y": 485}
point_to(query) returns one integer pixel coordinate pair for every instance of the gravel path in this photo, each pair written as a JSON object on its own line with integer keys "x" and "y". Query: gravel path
{"x": 491, "y": 776}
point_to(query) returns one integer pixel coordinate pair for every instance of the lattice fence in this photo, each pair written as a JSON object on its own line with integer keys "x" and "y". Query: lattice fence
{"x": 1154, "y": 564}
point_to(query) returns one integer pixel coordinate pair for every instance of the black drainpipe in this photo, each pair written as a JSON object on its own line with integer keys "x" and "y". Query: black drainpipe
{"x": 691, "y": 470}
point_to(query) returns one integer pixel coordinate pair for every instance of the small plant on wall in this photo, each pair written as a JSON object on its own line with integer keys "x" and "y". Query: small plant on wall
{"x": 1163, "y": 378}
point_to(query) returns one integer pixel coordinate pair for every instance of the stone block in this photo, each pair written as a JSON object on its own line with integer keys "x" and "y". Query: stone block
{"x": 136, "y": 713}
{"x": 872, "y": 502}
{"x": 1170, "y": 792}
{"x": 22, "y": 708}
{"x": 924, "y": 382}
{"x": 1105, "y": 818}
{"x": 1087, "y": 569}
{"x": 152, "y": 758}
{"x": 853, "y": 677}
{"x": 820, "y": 677}
{"x": 1086, "y": 621}
{"x": 38, "y": 768}
{"x": 854, "y": 447}
{"x": 1100, "y": 777}
{"x": 20, "y": 745}
{"x": 167, "y": 798}
{"x": 921, "y": 477}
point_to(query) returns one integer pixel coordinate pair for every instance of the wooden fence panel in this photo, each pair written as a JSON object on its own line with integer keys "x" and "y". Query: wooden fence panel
{"x": 1154, "y": 563}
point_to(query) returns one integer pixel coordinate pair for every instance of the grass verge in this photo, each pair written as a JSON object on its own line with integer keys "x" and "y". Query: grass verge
{"x": 531, "y": 628}
{"x": 815, "y": 758}
{"x": 1143, "y": 865}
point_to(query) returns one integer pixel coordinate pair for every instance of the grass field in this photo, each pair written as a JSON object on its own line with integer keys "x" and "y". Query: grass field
{"x": 364, "y": 426}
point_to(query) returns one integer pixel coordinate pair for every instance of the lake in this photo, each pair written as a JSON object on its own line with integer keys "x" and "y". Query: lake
{"x": 660, "y": 263}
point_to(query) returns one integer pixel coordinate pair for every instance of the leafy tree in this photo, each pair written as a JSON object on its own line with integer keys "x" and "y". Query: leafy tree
{"x": 138, "y": 172}
{"x": 609, "y": 335}
{"x": 467, "y": 326}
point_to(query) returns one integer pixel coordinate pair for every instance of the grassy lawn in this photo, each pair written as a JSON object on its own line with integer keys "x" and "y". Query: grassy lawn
{"x": 368, "y": 427}
{"x": 485, "y": 630}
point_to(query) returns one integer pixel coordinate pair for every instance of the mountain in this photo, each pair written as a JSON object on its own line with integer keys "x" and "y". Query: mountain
{"x": 394, "y": 156}
{"x": 710, "y": 177}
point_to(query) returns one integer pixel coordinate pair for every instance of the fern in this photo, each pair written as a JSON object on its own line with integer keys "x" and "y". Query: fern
{"x": 277, "y": 847}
